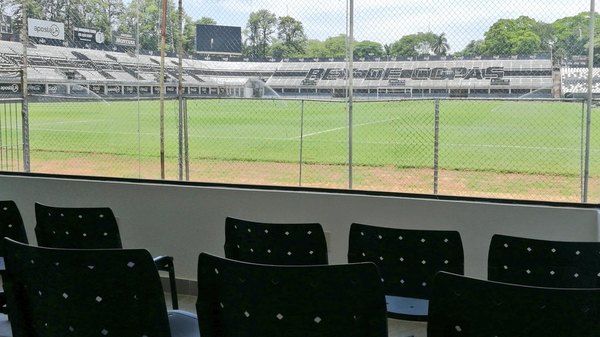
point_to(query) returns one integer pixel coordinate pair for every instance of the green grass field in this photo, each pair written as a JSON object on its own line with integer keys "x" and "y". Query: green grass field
{"x": 500, "y": 137}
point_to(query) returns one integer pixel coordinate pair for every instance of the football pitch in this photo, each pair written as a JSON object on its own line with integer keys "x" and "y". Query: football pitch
{"x": 537, "y": 140}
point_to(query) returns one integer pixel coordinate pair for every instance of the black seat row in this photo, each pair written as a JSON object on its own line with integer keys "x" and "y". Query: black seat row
{"x": 261, "y": 298}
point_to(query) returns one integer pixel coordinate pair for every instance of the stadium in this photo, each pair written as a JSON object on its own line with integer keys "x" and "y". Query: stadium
{"x": 72, "y": 72}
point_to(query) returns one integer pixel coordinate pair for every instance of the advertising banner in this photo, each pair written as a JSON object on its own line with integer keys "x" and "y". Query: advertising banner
{"x": 46, "y": 29}
{"x": 88, "y": 35}
{"x": 130, "y": 90}
{"x": 97, "y": 89}
{"x": 9, "y": 89}
{"x": 36, "y": 89}
{"x": 125, "y": 40}
{"x": 114, "y": 90}
{"x": 145, "y": 90}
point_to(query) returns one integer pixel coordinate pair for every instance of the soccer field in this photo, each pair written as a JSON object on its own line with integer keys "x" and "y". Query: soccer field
{"x": 499, "y": 137}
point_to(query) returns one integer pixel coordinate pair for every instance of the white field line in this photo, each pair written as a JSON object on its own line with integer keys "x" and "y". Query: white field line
{"x": 73, "y": 122}
{"x": 343, "y": 128}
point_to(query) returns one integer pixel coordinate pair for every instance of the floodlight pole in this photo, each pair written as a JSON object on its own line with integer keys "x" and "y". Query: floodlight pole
{"x": 163, "y": 37}
{"x": 590, "y": 83}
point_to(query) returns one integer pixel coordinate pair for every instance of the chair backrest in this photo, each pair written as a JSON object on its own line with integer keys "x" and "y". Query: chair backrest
{"x": 76, "y": 227}
{"x": 247, "y": 300}
{"x": 407, "y": 258}
{"x": 275, "y": 243}
{"x": 11, "y": 223}
{"x": 63, "y": 292}
{"x": 467, "y": 307}
{"x": 544, "y": 263}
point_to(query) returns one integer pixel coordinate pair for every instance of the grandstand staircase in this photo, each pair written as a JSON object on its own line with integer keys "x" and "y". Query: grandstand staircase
{"x": 132, "y": 72}
{"x": 80, "y": 56}
{"x": 103, "y": 72}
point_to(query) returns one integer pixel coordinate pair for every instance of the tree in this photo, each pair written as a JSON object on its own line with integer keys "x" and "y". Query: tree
{"x": 440, "y": 45}
{"x": 368, "y": 49}
{"x": 259, "y": 32}
{"x": 571, "y": 34}
{"x": 473, "y": 48}
{"x": 335, "y": 46}
{"x": 315, "y": 48}
{"x": 34, "y": 10}
{"x": 291, "y": 34}
{"x": 387, "y": 49}
{"x": 206, "y": 21}
{"x": 149, "y": 13}
{"x": 514, "y": 36}
{"x": 413, "y": 45}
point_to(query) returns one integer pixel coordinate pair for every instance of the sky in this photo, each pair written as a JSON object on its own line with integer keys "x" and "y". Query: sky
{"x": 385, "y": 21}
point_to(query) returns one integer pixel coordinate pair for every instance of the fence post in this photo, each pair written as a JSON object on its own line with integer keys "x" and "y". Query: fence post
{"x": 180, "y": 86}
{"x": 590, "y": 84}
{"x": 186, "y": 148}
{"x": 24, "y": 90}
{"x": 350, "y": 53}
{"x": 436, "y": 146}
{"x": 301, "y": 141}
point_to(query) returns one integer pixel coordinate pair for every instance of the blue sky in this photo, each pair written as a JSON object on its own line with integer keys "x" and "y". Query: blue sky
{"x": 386, "y": 21}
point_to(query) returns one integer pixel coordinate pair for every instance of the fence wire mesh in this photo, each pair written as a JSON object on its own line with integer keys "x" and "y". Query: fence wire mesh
{"x": 444, "y": 97}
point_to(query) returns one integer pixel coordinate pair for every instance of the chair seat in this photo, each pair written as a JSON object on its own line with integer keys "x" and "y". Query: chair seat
{"x": 183, "y": 324}
{"x": 407, "y": 307}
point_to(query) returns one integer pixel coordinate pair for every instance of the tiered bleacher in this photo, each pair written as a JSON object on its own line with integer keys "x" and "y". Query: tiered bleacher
{"x": 574, "y": 82}
{"x": 517, "y": 76}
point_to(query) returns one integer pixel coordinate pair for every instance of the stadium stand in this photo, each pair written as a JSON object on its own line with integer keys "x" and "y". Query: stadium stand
{"x": 437, "y": 77}
{"x": 9, "y": 47}
{"x": 574, "y": 82}
{"x": 91, "y": 75}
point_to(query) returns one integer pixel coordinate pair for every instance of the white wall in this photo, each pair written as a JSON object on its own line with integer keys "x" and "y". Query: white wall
{"x": 183, "y": 221}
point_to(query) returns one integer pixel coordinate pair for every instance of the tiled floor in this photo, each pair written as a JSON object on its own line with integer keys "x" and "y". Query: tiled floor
{"x": 396, "y": 328}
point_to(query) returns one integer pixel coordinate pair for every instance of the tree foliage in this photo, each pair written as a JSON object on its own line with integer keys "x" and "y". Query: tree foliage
{"x": 266, "y": 35}
{"x": 413, "y": 45}
{"x": 259, "y": 31}
{"x": 368, "y": 49}
{"x": 292, "y": 40}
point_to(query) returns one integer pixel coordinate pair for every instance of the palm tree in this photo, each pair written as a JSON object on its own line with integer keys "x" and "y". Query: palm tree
{"x": 440, "y": 45}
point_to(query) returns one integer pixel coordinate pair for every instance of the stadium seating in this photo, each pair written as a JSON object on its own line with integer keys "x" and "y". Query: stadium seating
{"x": 574, "y": 81}
{"x": 434, "y": 77}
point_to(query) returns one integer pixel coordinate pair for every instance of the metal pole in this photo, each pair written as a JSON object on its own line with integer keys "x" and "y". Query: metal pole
{"x": 163, "y": 36}
{"x": 180, "y": 88}
{"x": 589, "y": 99}
{"x": 350, "y": 40}
{"x": 185, "y": 139}
{"x": 137, "y": 60}
{"x": 436, "y": 147}
{"x": 301, "y": 141}
{"x": 582, "y": 151}
{"x": 24, "y": 89}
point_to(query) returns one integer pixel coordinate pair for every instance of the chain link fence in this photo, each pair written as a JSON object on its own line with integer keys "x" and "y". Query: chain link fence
{"x": 451, "y": 98}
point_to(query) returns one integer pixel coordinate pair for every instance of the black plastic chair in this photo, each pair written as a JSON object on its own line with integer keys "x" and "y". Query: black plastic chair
{"x": 11, "y": 226}
{"x": 544, "y": 263}
{"x": 462, "y": 306}
{"x": 88, "y": 228}
{"x": 240, "y": 299}
{"x": 88, "y": 292}
{"x": 407, "y": 260}
{"x": 275, "y": 243}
